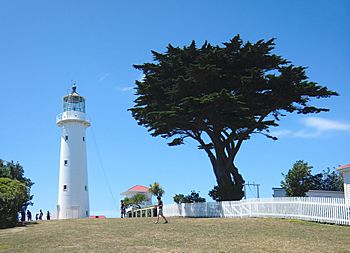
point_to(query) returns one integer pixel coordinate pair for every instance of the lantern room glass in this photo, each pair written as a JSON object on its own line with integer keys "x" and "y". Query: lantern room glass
{"x": 73, "y": 103}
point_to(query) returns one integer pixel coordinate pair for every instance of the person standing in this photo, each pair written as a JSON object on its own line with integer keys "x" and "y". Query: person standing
{"x": 122, "y": 209}
{"x": 41, "y": 215}
{"x": 23, "y": 215}
{"x": 48, "y": 217}
{"x": 160, "y": 210}
{"x": 29, "y": 215}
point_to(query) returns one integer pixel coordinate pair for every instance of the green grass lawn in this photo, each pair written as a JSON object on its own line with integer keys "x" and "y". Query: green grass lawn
{"x": 180, "y": 235}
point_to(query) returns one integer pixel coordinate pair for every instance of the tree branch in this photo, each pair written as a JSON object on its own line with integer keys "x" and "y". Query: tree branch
{"x": 197, "y": 136}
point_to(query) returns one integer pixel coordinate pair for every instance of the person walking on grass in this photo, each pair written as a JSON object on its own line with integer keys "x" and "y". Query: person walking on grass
{"x": 160, "y": 210}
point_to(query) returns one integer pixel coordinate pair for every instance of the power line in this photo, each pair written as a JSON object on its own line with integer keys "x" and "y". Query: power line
{"x": 102, "y": 167}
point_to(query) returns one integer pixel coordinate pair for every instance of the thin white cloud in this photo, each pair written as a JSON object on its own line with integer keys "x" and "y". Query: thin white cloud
{"x": 321, "y": 124}
{"x": 314, "y": 127}
{"x": 103, "y": 77}
{"x": 282, "y": 133}
{"x": 127, "y": 88}
{"x": 306, "y": 134}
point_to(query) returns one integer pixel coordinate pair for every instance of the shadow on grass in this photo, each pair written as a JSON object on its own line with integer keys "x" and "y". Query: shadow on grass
{"x": 19, "y": 226}
{"x": 27, "y": 224}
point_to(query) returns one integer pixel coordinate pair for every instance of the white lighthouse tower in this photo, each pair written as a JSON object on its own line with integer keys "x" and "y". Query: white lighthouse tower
{"x": 73, "y": 191}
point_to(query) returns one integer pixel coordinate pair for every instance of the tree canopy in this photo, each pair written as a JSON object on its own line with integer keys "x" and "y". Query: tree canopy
{"x": 156, "y": 189}
{"x": 14, "y": 192}
{"x": 193, "y": 197}
{"x": 136, "y": 201}
{"x": 13, "y": 195}
{"x": 219, "y": 96}
{"x": 296, "y": 182}
{"x": 300, "y": 180}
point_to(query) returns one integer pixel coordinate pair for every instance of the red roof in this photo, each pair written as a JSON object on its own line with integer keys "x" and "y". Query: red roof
{"x": 138, "y": 188}
{"x": 344, "y": 166}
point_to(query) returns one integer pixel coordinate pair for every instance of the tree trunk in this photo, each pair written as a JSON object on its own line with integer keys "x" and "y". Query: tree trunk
{"x": 230, "y": 181}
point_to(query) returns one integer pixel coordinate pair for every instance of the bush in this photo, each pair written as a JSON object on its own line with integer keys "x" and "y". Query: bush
{"x": 12, "y": 196}
{"x": 193, "y": 197}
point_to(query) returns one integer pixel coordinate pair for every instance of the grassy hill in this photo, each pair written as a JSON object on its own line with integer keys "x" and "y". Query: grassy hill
{"x": 180, "y": 235}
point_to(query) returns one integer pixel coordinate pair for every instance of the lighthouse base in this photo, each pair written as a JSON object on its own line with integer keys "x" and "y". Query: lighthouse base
{"x": 74, "y": 212}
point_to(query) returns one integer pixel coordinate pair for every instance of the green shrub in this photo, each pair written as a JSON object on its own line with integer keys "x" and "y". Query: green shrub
{"x": 12, "y": 196}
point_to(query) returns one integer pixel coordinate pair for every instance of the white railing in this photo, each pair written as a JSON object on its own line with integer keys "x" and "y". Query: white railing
{"x": 329, "y": 210}
{"x": 150, "y": 211}
{"x": 72, "y": 115}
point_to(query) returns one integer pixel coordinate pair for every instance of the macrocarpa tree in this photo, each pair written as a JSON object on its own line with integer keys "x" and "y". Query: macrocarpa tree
{"x": 220, "y": 96}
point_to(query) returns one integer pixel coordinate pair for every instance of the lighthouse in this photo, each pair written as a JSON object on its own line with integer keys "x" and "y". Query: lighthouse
{"x": 73, "y": 190}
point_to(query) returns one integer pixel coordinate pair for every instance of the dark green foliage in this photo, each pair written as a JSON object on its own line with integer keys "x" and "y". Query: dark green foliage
{"x": 296, "y": 182}
{"x": 327, "y": 180}
{"x": 215, "y": 193}
{"x": 135, "y": 201}
{"x": 316, "y": 182}
{"x": 14, "y": 171}
{"x": 179, "y": 198}
{"x": 13, "y": 194}
{"x": 299, "y": 180}
{"x": 332, "y": 181}
{"x": 220, "y": 96}
{"x": 193, "y": 197}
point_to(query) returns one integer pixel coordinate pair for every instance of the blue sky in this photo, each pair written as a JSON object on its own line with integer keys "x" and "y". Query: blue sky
{"x": 46, "y": 44}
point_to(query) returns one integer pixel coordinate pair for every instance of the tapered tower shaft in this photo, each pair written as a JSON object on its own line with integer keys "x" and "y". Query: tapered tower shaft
{"x": 73, "y": 191}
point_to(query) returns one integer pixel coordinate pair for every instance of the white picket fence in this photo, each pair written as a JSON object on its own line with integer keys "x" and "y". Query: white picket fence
{"x": 328, "y": 210}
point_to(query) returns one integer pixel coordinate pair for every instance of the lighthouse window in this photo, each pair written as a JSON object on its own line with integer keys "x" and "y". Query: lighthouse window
{"x": 65, "y": 162}
{"x": 65, "y": 187}
{"x": 83, "y": 138}
{"x": 85, "y": 188}
{"x": 66, "y": 137}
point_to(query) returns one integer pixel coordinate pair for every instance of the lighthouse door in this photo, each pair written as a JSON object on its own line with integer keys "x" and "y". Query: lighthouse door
{"x": 75, "y": 212}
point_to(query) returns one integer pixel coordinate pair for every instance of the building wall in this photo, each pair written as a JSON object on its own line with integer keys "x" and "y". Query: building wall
{"x": 347, "y": 185}
{"x": 281, "y": 192}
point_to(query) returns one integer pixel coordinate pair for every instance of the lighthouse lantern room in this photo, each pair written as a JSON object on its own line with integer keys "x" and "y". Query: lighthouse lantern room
{"x": 73, "y": 191}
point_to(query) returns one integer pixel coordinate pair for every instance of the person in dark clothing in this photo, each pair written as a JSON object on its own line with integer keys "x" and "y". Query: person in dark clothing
{"x": 29, "y": 215}
{"x": 48, "y": 217}
{"x": 23, "y": 215}
{"x": 37, "y": 216}
{"x": 122, "y": 209}
{"x": 41, "y": 215}
{"x": 160, "y": 210}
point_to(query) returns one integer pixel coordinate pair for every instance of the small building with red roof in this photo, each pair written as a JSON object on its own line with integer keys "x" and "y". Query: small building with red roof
{"x": 138, "y": 189}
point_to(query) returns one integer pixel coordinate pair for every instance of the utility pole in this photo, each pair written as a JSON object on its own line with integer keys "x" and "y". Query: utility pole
{"x": 256, "y": 186}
